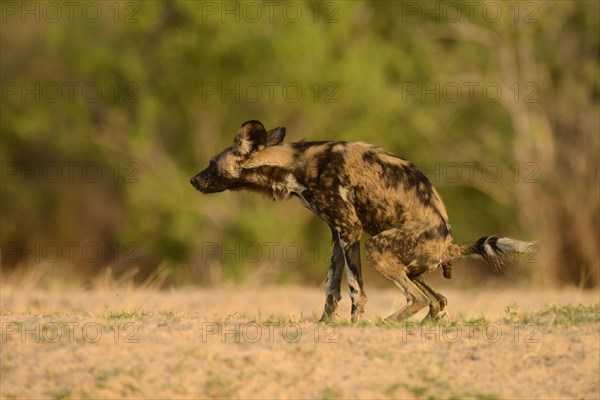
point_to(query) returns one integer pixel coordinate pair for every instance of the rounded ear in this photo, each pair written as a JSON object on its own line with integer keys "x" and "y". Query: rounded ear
{"x": 251, "y": 137}
{"x": 275, "y": 136}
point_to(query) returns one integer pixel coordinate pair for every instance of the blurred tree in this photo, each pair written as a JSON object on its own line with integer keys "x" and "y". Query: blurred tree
{"x": 160, "y": 87}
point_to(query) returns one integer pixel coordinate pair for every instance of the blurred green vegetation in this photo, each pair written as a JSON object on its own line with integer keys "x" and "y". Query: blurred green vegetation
{"x": 177, "y": 78}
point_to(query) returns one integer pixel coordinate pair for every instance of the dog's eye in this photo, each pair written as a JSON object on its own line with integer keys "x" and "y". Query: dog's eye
{"x": 213, "y": 165}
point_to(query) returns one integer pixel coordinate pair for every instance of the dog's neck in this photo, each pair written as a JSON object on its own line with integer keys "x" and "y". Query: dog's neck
{"x": 273, "y": 171}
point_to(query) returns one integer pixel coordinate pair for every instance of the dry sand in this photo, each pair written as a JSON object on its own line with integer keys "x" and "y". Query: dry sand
{"x": 264, "y": 343}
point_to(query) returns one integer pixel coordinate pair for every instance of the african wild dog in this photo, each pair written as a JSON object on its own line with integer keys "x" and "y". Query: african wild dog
{"x": 355, "y": 187}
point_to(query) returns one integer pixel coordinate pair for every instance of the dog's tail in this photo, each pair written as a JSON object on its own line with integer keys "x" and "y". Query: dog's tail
{"x": 492, "y": 249}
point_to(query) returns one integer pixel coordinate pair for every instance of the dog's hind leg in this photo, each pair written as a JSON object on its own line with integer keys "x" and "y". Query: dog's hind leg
{"x": 441, "y": 299}
{"x": 334, "y": 279}
{"x": 438, "y": 300}
{"x": 416, "y": 298}
{"x": 384, "y": 252}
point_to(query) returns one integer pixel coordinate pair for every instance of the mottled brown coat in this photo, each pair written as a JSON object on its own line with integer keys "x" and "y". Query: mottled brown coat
{"x": 354, "y": 188}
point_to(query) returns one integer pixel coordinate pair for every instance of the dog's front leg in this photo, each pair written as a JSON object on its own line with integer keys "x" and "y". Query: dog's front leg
{"x": 334, "y": 279}
{"x": 355, "y": 282}
{"x": 350, "y": 244}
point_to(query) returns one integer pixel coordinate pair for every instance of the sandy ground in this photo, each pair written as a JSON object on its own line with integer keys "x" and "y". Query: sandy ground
{"x": 264, "y": 343}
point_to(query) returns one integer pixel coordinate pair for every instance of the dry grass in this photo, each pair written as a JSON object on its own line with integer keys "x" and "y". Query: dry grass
{"x": 116, "y": 342}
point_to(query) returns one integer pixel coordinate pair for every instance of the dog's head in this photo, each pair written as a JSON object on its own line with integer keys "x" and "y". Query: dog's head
{"x": 225, "y": 169}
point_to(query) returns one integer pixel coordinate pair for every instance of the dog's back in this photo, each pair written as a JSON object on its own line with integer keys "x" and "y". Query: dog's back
{"x": 385, "y": 190}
